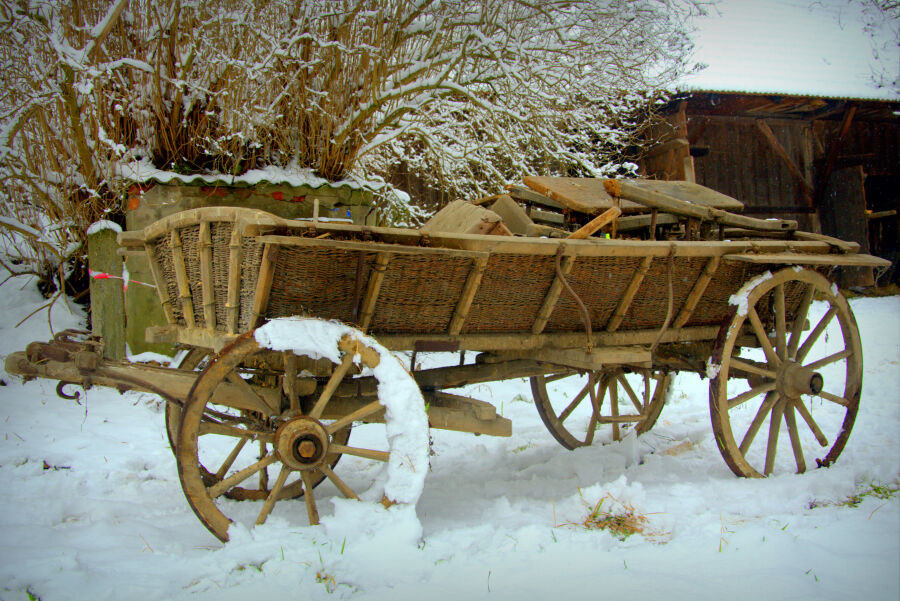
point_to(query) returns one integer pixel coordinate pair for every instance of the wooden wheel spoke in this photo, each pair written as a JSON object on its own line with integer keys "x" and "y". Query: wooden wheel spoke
{"x": 814, "y": 335}
{"x": 263, "y": 474}
{"x": 223, "y": 430}
{"x": 577, "y": 400}
{"x": 834, "y": 398}
{"x": 630, "y": 392}
{"x": 222, "y": 486}
{"x": 763, "y": 338}
{"x": 813, "y": 426}
{"x": 555, "y": 377}
{"x": 360, "y": 414}
{"x": 829, "y": 359}
{"x": 229, "y": 461}
{"x": 774, "y": 428}
{"x": 340, "y": 484}
{"x": 357, "y": 452}
{"x": 800, "y": 320}
{"x": 614, "y": 407}
{"x": 780, "y": 323}
{"x": 764, "y": 409}
{"x": 310, "y": 499}
{"x": 273, "y": 495}
{"x": 337, "y": 375}
{"x": 752, "y": 368}
{"x": 753, "y": 392}
{"x": 791, "y": 422}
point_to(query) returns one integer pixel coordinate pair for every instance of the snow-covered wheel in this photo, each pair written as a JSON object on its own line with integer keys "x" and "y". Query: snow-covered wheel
{"x": 258, "y": 390}
{"x": 810, "y": 381}
{"x": 573, "y": 406}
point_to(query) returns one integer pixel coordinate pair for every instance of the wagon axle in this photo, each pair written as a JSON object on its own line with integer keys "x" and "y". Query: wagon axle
{"x": 794, "y": 380}
{"x": 302, "y": 443}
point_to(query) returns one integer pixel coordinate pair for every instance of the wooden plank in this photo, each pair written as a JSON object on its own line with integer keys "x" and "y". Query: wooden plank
{"x": 397, "y": 249}
{"x": 625, "y": 302}
{"x": 583, "y": 194}
{"x": 181, "y": 279}
{"x": 640, "y": 192}
{"x": 666, "y": 147}
{"x": 689, "y": 192}
{"x": 235, "y": 259}
{"x": 465, "y": 218}
{"x": 473, "y": 281}
{"x": 367, "y": 311}
{"x": 528, "y": 195}
{"x": 636, "y": 222}
{"x": 548, "y": 217}
{"x": 107, "y": 296}
{"x": 605, "y": 218}
{"x": 579, "y": 358}
{"x": 843, "y": 214}
{"x": 697, "y": 292}
{"x": 206, "y": 275}
{"x": 264, "y": 284}
{"x": 552, "y": 296}
{"x": 788, "y": 258}
{"x": 776, "y": 146}
{"x": 513, "y": 215}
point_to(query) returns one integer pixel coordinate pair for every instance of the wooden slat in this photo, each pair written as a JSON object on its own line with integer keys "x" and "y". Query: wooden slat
{"x": 697, "y": 292}
{"x": 235, "y": 258}
{"x": 206, "y": 275}
{"x": 473, "y": 281}
{"x": 769, "y": 135}
{"x": 396, "y": 249}
{"x": 527, "y": 195}
{"x": 583, "y": 194}
{"x": 625, "y": 302}
{"x": 367, "y": 310}
{"x": 810, "y": 259}
{"x": 181, "y": 279}
{"x": 605, "y": 218}
{"x": 161, "y": 288}
{"x": 264, "y": 283}
{"x": 552, "y": 296}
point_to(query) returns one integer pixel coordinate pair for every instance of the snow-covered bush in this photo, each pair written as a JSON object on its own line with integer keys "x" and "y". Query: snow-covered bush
{"x": 466, "y": 95}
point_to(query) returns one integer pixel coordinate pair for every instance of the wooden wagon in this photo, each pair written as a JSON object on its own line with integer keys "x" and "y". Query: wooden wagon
{"x": 599, "y": 326}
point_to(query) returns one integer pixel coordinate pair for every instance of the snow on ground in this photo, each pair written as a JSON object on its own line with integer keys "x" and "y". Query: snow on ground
{"x": 91, "y": 506}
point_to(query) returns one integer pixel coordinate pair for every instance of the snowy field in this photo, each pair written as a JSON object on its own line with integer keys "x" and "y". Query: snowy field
{"x": 91, "y": 506}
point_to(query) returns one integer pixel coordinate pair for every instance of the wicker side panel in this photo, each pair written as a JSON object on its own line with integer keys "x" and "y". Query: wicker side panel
{"x": 315, "y": 281}
{"x": 420, "y": 293}
{"x": 251, "y": 257}
{"x": 162, "y": 253}
{"x": 600, "y": 283}
{"x": 713, "y": 307}
{"x": 652, "y": 300}
{"x": 512, "y": 290}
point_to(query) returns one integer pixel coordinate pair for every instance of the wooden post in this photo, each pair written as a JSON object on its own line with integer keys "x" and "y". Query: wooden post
{"x": 107, "y": 295}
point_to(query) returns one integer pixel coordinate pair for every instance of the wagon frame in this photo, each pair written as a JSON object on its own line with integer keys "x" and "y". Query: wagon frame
{"x": 542, "y": 308}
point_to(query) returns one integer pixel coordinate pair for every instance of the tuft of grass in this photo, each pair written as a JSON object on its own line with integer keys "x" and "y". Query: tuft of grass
{"x": 622, "y": 522}
{"x": 323, "y": 577}
{"x": 879, "y": 491}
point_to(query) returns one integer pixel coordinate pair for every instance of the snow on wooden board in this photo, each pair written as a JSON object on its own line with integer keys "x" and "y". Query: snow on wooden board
{"x": 91, "y": 506}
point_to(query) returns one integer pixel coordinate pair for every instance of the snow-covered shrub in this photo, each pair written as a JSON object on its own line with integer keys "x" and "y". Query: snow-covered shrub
{"x": 465, "y": 95}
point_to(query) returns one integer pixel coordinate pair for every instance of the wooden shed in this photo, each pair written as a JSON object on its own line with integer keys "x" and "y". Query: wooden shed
{"x": 833, "y": 164}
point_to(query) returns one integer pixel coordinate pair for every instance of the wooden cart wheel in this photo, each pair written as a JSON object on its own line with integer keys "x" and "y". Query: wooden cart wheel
{"x": 809, "y": 379}
{"x": 574, "y": 406}
{"x": 195, "y": 359}
{"x": 232, "y": 423}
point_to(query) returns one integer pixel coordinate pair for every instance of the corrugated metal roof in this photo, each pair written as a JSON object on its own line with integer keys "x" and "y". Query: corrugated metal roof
{"x": 145, "y": 172}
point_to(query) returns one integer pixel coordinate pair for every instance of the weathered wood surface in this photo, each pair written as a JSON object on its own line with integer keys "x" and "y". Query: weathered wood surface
{"x": 583, "y": 194}
{"x": 690, "y": 192}
{"x": 107, "y": 297}
{"x": 465, "y": 218}
{"x": 588, "y": 229}
{"x": 788, "y": 258}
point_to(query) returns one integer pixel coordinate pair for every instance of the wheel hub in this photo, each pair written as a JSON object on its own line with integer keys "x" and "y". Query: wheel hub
{"x": 301, "y": 443}
{"x": 794, "y": 380}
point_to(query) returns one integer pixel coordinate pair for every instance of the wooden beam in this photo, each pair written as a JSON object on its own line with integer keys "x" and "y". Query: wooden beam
{"x": 697, "y": 292}
{"x": 769, "y": 135}
{"x": 181, "y": 279}
{"x": 625, "y": 302}
{"x": 264, "y": 284}
{"x": 473, "y": 281}
{"x": 162, "y": 291}
{"x": 370, "y": 300}
{"x": 605, "y": 218}
{"x": 833, "y": 149}
{"x": 552, "y": 296}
